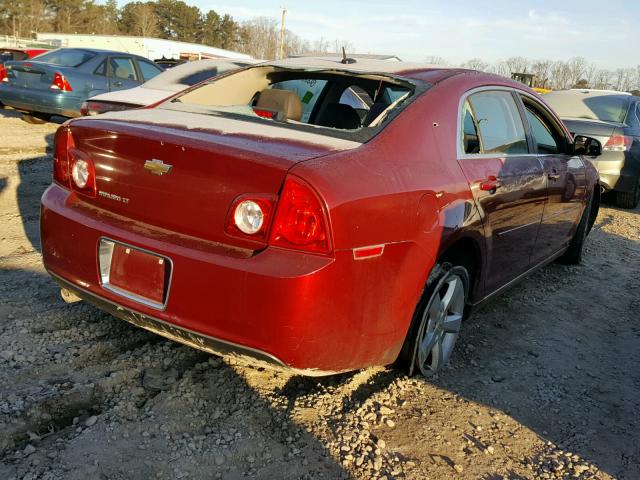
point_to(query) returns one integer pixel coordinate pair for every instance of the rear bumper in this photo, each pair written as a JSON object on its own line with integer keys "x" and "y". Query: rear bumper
{"x": 42, "y": 101}
{"x": 609, "y": 166}
{"x": 315, "y": 315}
{"x": 173, "y": 332}
{"x": 619, "y": 171}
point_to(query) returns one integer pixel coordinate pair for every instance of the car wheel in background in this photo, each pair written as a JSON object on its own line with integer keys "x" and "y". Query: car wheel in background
{"x": 573, "y": 255}
{"x": 36, "y": 118}
{"x": 629, "y": 199}
{"x": 437, "y": 320}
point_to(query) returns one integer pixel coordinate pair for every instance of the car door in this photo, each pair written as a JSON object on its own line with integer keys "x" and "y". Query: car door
{"x": 507, "y": 181}
{"x": 566, "y": 180}
{"x": 122, "y": 73}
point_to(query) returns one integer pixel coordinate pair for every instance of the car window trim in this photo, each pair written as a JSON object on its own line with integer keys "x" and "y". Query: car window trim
{"x": 460, "y": 153}
{"x": 546, "y": 114}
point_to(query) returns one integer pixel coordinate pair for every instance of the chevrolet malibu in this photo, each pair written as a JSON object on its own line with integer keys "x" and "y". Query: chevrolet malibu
{"x": 317, "y": 215}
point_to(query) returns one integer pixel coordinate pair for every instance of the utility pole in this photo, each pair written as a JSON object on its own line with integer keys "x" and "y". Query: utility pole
{"x": 284, "y": 12}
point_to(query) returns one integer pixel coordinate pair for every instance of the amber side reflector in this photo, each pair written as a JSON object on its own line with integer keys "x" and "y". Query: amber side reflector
{"x": 363, "y": 253}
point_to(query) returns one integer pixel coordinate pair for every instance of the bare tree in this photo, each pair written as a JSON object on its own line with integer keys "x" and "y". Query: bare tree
{"x": 576, "y": 69}
{"x": 146, "y": 20}
{"x": 542, "y": 70}
{"x": 261, "y": 38}
{"x": 320, "y": 45}
{"x": 601, "y": 80}
{"x": 436, "y": 60}
{"x": 476, "y": 64}
{"x": 517, "y": 64}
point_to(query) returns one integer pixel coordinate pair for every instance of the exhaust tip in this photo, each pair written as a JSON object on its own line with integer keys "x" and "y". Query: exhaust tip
{"x": 68, "y": 296}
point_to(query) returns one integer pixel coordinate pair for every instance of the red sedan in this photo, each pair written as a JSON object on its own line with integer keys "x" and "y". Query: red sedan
{"x": 317, "y": 214}
{"x": 9, "y": 54}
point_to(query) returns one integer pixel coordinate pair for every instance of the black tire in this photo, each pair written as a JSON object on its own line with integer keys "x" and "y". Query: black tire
{"x": 442, "y": 277}
{"x": 573, "y": 255}
{"x": 629, "y": 199}
{"x": 35, "y": 118}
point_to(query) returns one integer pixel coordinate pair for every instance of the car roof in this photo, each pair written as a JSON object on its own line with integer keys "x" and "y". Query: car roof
{"x": 581, "y": 92}
{"x": 99, "y": 51}
{"x": 358, "y": 66}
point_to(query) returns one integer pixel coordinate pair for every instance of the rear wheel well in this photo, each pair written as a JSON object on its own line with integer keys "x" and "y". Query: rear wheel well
{"x": 466, "y": 253}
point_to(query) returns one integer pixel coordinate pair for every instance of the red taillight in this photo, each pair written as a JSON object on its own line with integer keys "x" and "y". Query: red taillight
{"x": 72, "y": 168}
{"x": 60, "y": 83}
{"x": 618, "y": 143}
{"x": 95, "y": 108}
{"x": 3, "y": 74}
{"x": 300, "y": 222}
{"x": 62, "y": 143}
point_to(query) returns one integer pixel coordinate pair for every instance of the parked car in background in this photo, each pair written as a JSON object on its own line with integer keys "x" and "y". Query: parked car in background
{"x": 260, "y": 215}
{"x": 59, "y": 81}
{"x": 160, "y": 87}
{"x": 9, "y": 54}
{"x": 614, "y": 119}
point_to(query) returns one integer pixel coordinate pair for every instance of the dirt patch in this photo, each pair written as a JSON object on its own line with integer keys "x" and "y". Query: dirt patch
{"x": 544, "y": 383}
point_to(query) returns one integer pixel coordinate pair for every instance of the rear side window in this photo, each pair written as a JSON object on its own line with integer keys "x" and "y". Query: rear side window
{"x": 498, "y": 122}
{"x": 148, "y": 70}
{"x": 66, "y": 57}
{"x": 542, "y": 132}
{"x": 123, "y": 68}
{"x": 308, "y": 90}
{"x": 102, "y": 69}
{"x": 470, "y": 138}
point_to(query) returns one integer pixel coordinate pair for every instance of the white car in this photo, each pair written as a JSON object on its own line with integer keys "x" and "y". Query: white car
{"x": 162, "y": 86}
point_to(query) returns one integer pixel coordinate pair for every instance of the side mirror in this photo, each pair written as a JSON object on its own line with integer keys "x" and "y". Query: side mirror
{"x": 586, "y": 146}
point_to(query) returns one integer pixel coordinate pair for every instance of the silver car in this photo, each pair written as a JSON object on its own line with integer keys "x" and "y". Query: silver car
{"x": 613, "y": 118}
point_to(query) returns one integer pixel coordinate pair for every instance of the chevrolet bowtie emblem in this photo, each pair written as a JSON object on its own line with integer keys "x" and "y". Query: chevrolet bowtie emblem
{"x": 157, "y": 166}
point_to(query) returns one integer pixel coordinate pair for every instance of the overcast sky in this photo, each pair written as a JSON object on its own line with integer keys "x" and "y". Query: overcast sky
{"x": 605, "y": 32}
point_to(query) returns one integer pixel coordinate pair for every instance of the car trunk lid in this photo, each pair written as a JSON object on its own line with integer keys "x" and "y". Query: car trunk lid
{"x": 598, "y": 129}
{"x": 29, "y": 74}
{"x": 202, "y": 163}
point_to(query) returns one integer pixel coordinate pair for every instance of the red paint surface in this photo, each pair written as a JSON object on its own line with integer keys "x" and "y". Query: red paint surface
{"x": 404, "y": 189}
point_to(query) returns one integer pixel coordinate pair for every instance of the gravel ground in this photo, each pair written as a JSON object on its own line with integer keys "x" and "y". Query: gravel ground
{"x": 544, "y": 384}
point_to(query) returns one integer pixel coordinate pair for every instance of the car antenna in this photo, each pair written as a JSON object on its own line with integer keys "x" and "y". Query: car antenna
{"x": 345, "y": 59}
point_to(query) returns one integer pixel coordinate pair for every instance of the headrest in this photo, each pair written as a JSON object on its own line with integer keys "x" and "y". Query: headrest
{"x": 284, "y": 101}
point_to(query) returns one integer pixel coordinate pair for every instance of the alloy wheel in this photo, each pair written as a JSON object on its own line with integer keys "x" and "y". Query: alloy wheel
{"x": 440, "y": 325}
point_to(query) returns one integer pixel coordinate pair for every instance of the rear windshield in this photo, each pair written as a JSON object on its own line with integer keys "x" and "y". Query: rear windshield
{"x": 334, "y": 103}
{"x": 606, "y": 107}
{"x": 66, "y": 57}
{"x": 190, "y": 74}
{"x": 8, "y": 55}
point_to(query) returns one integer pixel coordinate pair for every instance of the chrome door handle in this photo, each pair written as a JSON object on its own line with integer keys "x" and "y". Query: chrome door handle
{"x": 554, "y": 176}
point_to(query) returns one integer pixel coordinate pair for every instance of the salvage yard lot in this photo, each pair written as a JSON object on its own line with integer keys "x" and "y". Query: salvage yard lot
{"x": 544, "y": 384}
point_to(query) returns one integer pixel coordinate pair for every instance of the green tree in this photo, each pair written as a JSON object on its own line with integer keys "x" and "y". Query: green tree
{"x": 179, "y": 21}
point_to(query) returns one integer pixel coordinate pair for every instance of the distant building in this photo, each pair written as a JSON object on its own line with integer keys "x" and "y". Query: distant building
{"x": 152, "y": 48}
{"x": 363, "y": 56}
